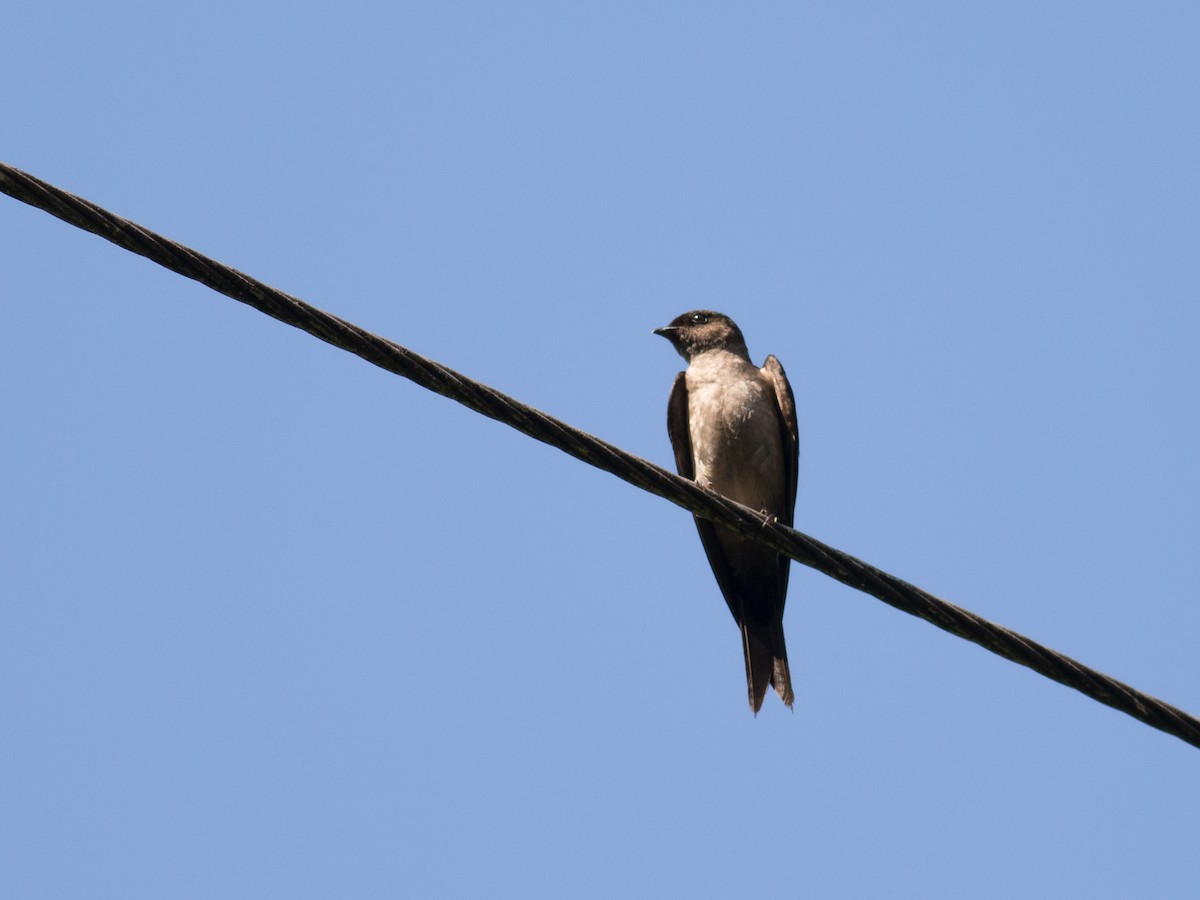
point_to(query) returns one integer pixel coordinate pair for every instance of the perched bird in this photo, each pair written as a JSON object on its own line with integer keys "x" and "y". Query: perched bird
{"x": 733, "y": 428}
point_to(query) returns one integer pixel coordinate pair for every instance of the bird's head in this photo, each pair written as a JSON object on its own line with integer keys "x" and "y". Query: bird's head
{"x": 702, "y": 329}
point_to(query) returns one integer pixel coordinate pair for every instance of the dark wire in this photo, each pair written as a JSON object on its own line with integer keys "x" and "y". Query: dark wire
{"x": 580, "y": 444}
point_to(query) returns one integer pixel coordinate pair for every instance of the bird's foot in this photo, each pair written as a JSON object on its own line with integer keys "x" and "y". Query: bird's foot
{"x": 769, "y": 518}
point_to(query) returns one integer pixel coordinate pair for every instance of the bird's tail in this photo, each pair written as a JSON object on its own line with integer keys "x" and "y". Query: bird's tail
{"x": 766, "y": 663}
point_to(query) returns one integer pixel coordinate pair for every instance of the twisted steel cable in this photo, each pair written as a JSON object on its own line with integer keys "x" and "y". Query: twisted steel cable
{"x": 646, "y": 475}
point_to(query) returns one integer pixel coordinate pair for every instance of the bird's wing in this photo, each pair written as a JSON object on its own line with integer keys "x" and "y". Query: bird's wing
{"x": 679, "y": 430}
{"x": 789, "y": 431}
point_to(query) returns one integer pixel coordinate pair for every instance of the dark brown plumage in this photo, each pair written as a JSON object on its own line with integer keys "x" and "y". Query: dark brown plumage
{"x": 733, "y": 429}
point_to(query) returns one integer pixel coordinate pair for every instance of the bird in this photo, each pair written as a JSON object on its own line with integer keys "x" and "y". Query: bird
{"x": 733, "y": 430}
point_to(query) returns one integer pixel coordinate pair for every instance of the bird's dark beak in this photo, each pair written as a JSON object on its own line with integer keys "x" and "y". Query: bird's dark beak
{"x": 667, "y": 331}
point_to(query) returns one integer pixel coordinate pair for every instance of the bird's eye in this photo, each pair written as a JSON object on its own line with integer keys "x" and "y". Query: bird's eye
{"x": 699, "y": 318}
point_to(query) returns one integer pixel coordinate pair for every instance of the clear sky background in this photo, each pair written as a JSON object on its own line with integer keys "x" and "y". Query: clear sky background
{"x": 278, "y": 624}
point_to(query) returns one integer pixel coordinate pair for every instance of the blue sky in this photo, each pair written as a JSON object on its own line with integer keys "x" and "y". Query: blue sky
{"x": 278, "y": 624}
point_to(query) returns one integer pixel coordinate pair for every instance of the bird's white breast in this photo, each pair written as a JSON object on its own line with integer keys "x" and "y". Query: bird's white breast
{"x": 734, "y": 427}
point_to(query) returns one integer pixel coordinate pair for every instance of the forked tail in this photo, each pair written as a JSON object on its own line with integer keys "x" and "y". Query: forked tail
{"x": 766, "y": 663}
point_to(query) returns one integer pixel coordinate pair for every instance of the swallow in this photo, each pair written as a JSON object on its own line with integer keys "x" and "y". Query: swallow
{"x": 733, "y": 429}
